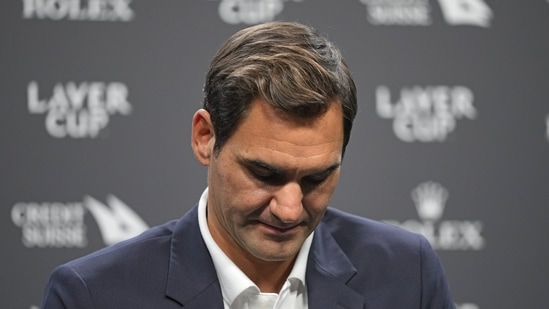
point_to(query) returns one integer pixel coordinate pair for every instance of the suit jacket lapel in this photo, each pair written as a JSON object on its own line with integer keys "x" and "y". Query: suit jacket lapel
{"x": 328, "y": 271}
{"x": 192, "y": 280}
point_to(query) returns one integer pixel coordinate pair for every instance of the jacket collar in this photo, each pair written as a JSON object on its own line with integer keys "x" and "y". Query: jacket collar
{"x": 192, "y": 280}
{"x": 328, "y": 272}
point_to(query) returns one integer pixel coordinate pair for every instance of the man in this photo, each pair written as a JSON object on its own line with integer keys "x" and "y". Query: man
{"x": 278, "y": 110}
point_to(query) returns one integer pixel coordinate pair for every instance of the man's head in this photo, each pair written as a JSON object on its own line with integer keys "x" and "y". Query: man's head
{"x": 278, "y": 113}
{"x": 289, "y": 65}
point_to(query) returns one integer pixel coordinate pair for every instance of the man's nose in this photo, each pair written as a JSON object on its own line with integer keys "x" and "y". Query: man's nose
{"x": 287, "y": 204}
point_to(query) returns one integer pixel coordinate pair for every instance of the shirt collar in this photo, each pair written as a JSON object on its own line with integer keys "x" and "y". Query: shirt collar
{"x": 232, "y": 280}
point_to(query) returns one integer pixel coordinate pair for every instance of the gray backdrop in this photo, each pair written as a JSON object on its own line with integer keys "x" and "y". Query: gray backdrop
{"x": 451, "y": 139}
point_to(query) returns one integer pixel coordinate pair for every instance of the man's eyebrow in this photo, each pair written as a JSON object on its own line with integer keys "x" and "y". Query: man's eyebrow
{"x": 260, "y": 164}
{"x": 277, "y": 170}
{"x": 330, "y": 168}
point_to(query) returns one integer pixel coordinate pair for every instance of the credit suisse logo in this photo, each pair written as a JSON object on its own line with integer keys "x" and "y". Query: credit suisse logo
{"x": 419, "y": 12}
{"x": 62, "y": 225}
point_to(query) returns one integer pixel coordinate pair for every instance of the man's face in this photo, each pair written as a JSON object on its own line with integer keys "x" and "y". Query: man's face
{"x": 270, "y": 184}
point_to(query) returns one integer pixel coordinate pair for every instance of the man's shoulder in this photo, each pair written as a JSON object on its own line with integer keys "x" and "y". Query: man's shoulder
{"x": 356, "y": 231}
{"x": 385, "y": 261}
{"x": 128, "y": 253}
{"x": 136, "y": 270}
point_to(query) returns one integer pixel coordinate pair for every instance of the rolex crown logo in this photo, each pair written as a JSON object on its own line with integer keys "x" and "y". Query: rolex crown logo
{"x": 430, "y": 199}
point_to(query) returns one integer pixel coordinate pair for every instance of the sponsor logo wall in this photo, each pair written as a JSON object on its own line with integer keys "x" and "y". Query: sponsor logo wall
{"x": 425, "y": 114}
{"x": 419, "y": 12}
{"x": 79, "y": 110}
{"x": 451, "y": 140}
{"x": 78, "y": 10}
{"x": 430, "y": 201}
{"x": 250, "y": 12}
{"x": 61, "y": 225}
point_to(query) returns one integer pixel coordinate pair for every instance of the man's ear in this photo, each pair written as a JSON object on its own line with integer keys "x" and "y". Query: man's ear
{"x": 202, "y": 137}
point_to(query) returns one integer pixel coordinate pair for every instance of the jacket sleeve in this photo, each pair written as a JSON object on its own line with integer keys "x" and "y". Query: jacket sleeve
{"x": 435, "y": 291}
{"x": 66, "y": 289}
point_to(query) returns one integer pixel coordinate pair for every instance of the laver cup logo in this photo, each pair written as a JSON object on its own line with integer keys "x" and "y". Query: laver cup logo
{"x": 61, "y": 225}
{"x": 78, "y": 110}
{"x": 425, "y": 114}
{"x": 250, "y": 11}
{"x": 430, "y": 201}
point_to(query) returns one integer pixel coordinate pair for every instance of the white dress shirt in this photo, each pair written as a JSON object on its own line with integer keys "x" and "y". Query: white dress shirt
{"x": 239, "y": 292}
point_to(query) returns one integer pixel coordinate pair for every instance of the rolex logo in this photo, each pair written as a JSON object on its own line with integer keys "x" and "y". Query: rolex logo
{"x": 430, "y": 200}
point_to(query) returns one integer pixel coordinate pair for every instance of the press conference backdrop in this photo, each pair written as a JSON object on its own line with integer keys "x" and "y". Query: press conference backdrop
{"x": 451, "y": 139}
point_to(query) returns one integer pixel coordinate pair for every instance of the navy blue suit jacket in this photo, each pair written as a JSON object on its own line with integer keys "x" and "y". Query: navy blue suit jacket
{"x": 353, "y": 263}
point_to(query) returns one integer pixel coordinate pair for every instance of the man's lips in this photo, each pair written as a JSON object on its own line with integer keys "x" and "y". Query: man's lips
{"x": 279, "y": 228}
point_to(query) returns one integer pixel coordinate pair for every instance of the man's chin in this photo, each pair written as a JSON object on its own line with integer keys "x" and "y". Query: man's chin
{"x": 276, "y": 254}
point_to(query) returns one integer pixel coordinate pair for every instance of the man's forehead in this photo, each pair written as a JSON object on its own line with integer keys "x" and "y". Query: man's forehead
{"x": 265, "y": 138}
{"x": 261, "y": 111}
